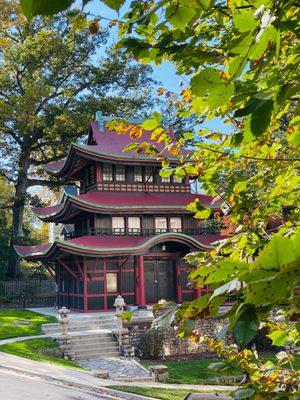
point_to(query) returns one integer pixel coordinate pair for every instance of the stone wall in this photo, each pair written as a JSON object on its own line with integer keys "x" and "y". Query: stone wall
{"x": 166, "y": 343}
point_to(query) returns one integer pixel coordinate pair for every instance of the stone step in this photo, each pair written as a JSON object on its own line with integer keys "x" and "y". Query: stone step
{"x": 86, "y": 343}
{"x": 94, "y": 349}
{"x": 72, "y": 328}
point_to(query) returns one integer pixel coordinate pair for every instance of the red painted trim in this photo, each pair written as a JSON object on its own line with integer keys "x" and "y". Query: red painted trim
{"x": 142, "y": 299}
{"x": 197, "y": 293}
{"x": 136, "y": 281}
{"x": 85, "y": 305}
{"x": 78, "y": 265}
{"x": 66, "y": 267}
{"x": 104, "y": 284}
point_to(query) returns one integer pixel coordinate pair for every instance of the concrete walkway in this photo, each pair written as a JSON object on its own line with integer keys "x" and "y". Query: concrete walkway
{"x": 85, "y": 380}
{"x": 21, "y": 338}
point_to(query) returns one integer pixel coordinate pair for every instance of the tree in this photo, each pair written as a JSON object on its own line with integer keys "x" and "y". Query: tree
{"x": 6, "y": 200}
{"x": 51, "y": 83}
{"x": 240, "y": 62}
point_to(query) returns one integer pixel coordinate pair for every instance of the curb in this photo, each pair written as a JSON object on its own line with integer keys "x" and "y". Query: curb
{"x": 117, "y": 394}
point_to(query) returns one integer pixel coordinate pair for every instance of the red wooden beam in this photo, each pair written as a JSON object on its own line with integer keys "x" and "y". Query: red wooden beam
{"x": 78, "y": 265}
{"x": 85, "y": 305}
{"x": 142, "y": 299}
{"x": 66, "y": 267}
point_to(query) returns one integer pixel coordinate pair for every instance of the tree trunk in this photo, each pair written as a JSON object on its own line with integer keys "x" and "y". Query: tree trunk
{"x": 13, "y": 269}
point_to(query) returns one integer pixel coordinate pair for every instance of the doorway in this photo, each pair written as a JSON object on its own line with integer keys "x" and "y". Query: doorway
{"x": 159, "y": 280}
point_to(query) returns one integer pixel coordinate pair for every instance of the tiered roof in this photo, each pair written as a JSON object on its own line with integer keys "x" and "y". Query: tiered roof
{"x": 113, "y": 245}
{"x": 108, "y": 202}
{"x": 107, "y": 146}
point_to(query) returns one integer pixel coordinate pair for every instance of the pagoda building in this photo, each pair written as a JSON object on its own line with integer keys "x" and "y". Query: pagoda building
{"x": 131, "y": 227}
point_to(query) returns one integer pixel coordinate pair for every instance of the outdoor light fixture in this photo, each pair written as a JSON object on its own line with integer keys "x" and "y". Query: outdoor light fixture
{"x": 163, "y": 247}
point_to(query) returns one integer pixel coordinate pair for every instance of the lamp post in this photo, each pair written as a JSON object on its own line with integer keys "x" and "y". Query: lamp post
{"x": 119, "y": 304}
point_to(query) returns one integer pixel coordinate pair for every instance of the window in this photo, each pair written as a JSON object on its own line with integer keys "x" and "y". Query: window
{"x": 166, "y": 179}
{"x": 176, "y": 179}
{"x": 111, "y": 282}
{"x": 120, "y": 173}
{"x": 138, "y": 175}
{"x": 92, "y": 173}
{"x": 118, "y": 225}
{"x": 176, "y": 224}
{"x": 134, "y": 225}
{"x": 107, "y": 172}
{"x": 148, "y": 174}
{"x": 160, "y": 224}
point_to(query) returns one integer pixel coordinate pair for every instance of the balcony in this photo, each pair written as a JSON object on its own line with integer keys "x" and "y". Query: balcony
{"x": 137, "y": 187}
{"x": 209, "y": 228}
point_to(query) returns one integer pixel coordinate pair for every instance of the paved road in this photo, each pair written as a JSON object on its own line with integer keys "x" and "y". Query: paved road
{"x": 20, "y": 387}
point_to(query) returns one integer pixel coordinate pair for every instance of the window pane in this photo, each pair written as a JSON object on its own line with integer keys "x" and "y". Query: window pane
{"x": 176, "y": 224}
{"x": 120, "y": 173}
{"x": 138, "y": 176}
{"x": 160, "y": 224}
{"x": 118, "y": 225}
{"x": 134, "y": 225}
{"x": 111, "y": 282}
{"x": 166, "y": 179}
{"x": 148, "y": 174}
{"x": 176, "y": 179}
{"x": 107, "y": 172}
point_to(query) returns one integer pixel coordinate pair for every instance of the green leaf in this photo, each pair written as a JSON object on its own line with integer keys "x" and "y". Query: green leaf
{"x": 150, "y": 124}
{"x": 246, "y": 327}
{"x": 180, "y": 15}
{"x": 227, "y": 288}
{"x": 277, "y": 254}
{"x": 225, "y": 270}
{"x": 243, "y": 393}
{"x": 257, "y": 122}
{"x": 44, "y": 7}
{"x": 244, "y": 21}
{"x": 166, "y": 172}
{"x": 279, "y": 338}
{"x": 114, "y": 4}
{"x": 205, "y": 80}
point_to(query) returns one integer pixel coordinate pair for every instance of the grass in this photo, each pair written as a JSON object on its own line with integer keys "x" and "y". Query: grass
{"x": 157, "y": 393}
{"x": 32, "y": 349}
{"x": 8, "y": 330}
{"x": 189, "y": 372}
{"x": 197, "y": 372}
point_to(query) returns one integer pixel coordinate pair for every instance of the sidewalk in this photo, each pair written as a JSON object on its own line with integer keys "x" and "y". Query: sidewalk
{"x": 86, "y": 380}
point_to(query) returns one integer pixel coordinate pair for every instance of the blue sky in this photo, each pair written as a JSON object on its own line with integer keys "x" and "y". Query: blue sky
{"x": 164, "y": 73}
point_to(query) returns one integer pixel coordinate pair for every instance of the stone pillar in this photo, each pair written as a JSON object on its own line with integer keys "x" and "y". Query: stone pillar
{"x": 142, "y": 299}
{"x": 64, "y": 339}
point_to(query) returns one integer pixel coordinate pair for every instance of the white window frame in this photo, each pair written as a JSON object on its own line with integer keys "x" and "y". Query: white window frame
{"x": 158, "y": 225}
{"x": 114, "y": 288}
{"x": 138, "y": 173}
{"x": 134, "y": 225}
{"x": 120, "y": 173}
{"x": 107, "y": 173}
{"x": 118, "y": 227}
{"x": 174, "y": 225}
{"x": 149, "y": 172}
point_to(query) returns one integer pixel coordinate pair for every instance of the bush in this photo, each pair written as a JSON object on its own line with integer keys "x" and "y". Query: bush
{"x": 151, "y": 344}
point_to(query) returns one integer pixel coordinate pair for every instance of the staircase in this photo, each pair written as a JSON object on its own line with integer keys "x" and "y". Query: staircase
{"x": 90, "y": 337}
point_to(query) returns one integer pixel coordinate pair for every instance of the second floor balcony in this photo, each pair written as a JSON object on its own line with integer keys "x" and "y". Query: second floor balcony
{"x": 207, "y": 228}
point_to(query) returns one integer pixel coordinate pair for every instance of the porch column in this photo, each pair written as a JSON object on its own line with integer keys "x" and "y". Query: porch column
{"x": 85, "y": 304}
{"x": 142, "y": 300}
{"x": 136, "y": 282}
{"x": 197, "y": 293}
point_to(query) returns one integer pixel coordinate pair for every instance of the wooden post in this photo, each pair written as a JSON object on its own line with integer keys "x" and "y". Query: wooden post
{"x": 85, "y": 305}
{"x": 136, "y": 281}
{"x": 142, "y": 299}
{"x": 197, "y": 293}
